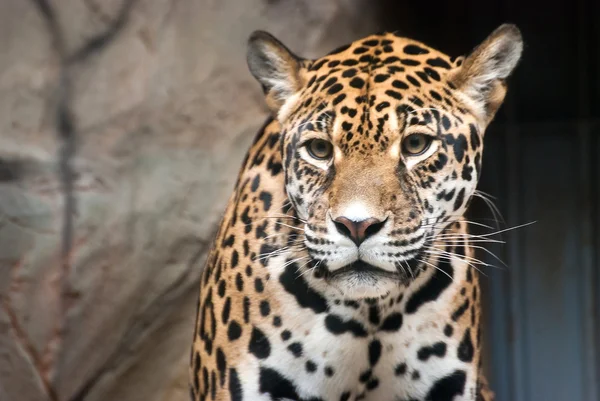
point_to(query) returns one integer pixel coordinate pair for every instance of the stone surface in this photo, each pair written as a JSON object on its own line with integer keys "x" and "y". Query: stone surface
{"x": 163, "y": 112}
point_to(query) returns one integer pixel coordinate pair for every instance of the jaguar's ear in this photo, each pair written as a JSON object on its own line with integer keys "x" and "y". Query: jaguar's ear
{"x": 483, "y": 73}
{"x": 275, "y": 67}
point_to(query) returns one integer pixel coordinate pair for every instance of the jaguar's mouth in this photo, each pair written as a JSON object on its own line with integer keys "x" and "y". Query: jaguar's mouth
{"x": 361, "y": 268}
{"x": 404, "y": 269}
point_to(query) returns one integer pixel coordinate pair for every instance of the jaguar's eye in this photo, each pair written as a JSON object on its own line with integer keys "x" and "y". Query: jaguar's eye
{"x": 416, "y": 144}
{"x": 320, "y": 149}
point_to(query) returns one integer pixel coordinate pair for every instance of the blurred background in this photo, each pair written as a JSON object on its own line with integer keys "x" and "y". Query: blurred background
{"x": 122, "y": 127}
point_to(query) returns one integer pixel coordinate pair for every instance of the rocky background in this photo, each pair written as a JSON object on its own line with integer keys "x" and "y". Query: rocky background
{"x": 122, "y": 127}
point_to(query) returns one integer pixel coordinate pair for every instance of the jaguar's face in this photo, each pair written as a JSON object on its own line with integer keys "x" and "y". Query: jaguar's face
{"x": 373, "y": 197}
{"x": 382, "y": 146}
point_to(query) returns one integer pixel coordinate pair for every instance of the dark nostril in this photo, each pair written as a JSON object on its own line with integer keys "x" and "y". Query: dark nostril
{"x": 373, "y": 228}
{"x": 343, "y": 229}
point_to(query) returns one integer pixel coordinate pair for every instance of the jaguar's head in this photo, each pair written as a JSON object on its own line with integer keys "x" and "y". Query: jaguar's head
{"x": 382, "y": 143}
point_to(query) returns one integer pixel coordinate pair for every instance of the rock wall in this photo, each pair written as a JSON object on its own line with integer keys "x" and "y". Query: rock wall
{"x": 134, "y": 117}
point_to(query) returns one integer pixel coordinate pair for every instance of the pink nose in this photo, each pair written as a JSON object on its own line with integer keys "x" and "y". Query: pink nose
{"x": 358, "y": 231}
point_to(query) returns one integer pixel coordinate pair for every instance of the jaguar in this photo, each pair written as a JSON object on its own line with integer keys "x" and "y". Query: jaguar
{"x": 343, "y": 268}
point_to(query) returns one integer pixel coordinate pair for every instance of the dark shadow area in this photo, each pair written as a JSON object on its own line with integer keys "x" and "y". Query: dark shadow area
{"x": 541, "y": 164}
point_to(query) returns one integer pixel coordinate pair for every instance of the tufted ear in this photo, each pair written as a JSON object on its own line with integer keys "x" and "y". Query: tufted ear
{"x": 482, "y": 74}
{"x": 275, "y": 67}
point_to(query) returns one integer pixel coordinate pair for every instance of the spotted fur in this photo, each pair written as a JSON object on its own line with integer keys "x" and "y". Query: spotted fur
{"x": 350, "y": 277}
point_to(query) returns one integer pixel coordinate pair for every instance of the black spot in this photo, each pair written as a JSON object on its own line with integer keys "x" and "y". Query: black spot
{"x": 335, "y": 89}
{"x": 265, "y": 197}
{"x": 346, "y": 126}
{"x": 239, "y": 282}
{"x": 374, "y": 315}
{"x": 305, "y": 296}
{"x": 382, "y": 106}
{"x": 345, "y": 396}
{"x": 226, "y": 310}
{"x": 458, "y": 202}
{"x": 337, "y": 326}
{"x": 234, "y": 331}
{"x": 381, "y": 78}
{"x": 295, "y": 349}
{"x": 400, "y": 369}
{"x": 394, "y": 94}
{"x": 410, "y": 62}
{"x": 221, "y": 289}
{"x": 333, "y": 63}
{"x": 352, "y": 304}
{"x": 329, "y": 82}
{"x": 278, "y": 387}
{"x": 413, "y": 80}
{"x": 255, "y": 183}
{"x": 339, "y": 50}
{"x": 438, "y": 349}
{"x": 433, "y": 74}
{"x": 317, "y": 65}
{"x": 475, "y": 141}
{"x": 357, "y": 83}
{"x": 265, "y": 249}
{"x": 286, "y": 335}
{"x": 465, "y": 348}
{"x": 365, "y": 376}
{"x": 446, "y": 388}
{"x": 448, "y": 330}
{"x": 461, "y": 310}
{"x": 438, "y": 62}
{"x": 416, "y": 375}
{"x": 459, "y": 145}
{"x": 424, "y": 77}
{"x": 349, "y": 62}
{"x": 467, "y": 172}
{"x": 246, "y": 309}
{"x": 433, "y": 288}
{"x": 338, "y": 99}
{"x": 435, "y": 95}
{"x": 329, "y": 372}
{"x": 349, "y": 73}
{"x": 265, "y": 308}
{"x": 446, "y": 123}
{"x": 374, "y": 352}
{"x": 392, "y": 322}
{"x": 311, "y": 367}
{"x": 258, "y": 285}
{"x": 235, "y": 387}
{"x": 213, "y": 384}
{"x": 229, "y": 241}
{"x": 205, "y": 378}
{"x": 221, "y": 366}
{"x": 391, "y": 59}
{"x": 399, "y": 84}
{"x": 372, "y": 384}
{"x": 277, "y": 321}
{"x": 360, "y": 50}
{"x": 259, "y": 344}
{"x": 371, "y": 43}
{"x": 235, "y": 257}
{"x": 417, "y": 101}
{"x": 414, "y": 49}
